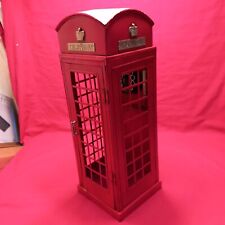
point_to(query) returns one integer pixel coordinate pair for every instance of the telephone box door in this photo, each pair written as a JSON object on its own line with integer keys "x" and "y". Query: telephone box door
{"x": 87, "y": 111}
{"x": 136, "y": 116}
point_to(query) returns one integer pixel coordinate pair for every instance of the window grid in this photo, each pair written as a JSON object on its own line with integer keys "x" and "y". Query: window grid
{"x": 88, "y": 110}
{"x": 135, "y": 124}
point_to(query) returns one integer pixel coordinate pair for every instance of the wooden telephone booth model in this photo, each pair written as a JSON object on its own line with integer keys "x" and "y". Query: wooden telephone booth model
{"x": 109, "y": 71}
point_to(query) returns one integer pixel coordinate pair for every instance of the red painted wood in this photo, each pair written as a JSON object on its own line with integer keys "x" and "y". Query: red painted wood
{"x": 105, "y": 37}
{"x": 112, "y": 105}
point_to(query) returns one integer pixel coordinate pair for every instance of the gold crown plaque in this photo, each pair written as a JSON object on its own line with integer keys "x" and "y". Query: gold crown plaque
{"x": 133, "y": 29}
{"x": 80, "y": 34}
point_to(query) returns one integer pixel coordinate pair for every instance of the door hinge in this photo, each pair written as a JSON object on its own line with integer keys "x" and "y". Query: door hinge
{"x": 106, "y": 95}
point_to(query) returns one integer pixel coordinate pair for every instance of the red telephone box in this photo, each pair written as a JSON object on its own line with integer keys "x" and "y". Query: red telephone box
{"x": 109, "y": 71}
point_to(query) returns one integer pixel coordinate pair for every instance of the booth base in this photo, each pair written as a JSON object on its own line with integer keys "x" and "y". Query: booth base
{"x": 120, "y": 215}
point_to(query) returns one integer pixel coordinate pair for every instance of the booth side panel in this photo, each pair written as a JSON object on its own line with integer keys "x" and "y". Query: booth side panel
{"x": 133, "y": 91}
{"x": 153, "y": 116}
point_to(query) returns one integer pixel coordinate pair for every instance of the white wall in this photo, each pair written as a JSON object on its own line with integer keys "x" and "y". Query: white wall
{"x": 7, "y": 111}
{"x": 0, "y": 12}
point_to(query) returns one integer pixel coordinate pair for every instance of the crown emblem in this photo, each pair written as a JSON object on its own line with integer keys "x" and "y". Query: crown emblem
{"x": 133, "y": 29}
{"x": 80, "y": 34}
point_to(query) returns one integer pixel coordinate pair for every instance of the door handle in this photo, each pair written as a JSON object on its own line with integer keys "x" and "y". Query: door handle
{"x": 75, "y": 128}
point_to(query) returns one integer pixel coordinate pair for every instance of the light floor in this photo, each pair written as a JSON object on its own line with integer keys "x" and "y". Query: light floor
{"x": 7, "y": 153}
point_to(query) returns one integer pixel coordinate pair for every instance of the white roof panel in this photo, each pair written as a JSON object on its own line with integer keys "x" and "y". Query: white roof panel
{"x": 104, "y": 15}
